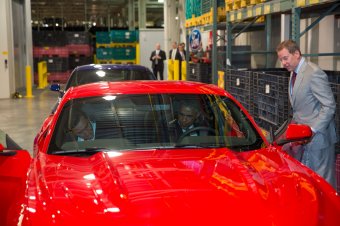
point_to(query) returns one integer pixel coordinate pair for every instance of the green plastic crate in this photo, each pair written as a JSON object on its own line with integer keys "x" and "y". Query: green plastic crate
{"x": 102, "y": 37}
{"x": 104, "y": 53}
{"x": 123, "y": 36}
{"x": 128, "y": 53}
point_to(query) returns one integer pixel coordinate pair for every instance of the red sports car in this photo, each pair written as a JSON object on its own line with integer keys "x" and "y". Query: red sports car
{"x": 155, "y": 153}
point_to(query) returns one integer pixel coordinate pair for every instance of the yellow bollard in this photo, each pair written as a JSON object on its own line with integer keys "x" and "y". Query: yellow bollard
{"x": 42, "y": 75}
{"x": 221, "y": 79}
{"x": 170, "y": 69}
{"x": 176, "y": 69}
{"x": 184, "y": 70}
{"x": 95, "y": 59}
{"x": 28, "y": 82}
{"x": 137, "y": 54}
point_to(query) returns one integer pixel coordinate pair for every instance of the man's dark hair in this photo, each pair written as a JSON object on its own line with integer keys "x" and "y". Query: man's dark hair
{"x": 190, "y": 104}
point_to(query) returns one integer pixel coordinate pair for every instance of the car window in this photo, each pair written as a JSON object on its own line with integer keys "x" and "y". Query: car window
{"x": 90, "y": 76}
{"x": 157, "y": 121}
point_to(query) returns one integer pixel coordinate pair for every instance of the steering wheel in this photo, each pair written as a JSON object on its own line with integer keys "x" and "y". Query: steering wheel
{"x": 199, "y": 128}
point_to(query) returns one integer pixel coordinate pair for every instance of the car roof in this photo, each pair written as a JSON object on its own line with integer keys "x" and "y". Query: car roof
{"x": 110, "y": 66}
{"x": 143, "y": 87}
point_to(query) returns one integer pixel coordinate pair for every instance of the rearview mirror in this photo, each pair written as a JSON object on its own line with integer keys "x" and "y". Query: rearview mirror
{"x": 295, "y": 132}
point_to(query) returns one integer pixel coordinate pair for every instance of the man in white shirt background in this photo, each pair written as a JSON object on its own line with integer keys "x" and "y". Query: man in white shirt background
{"x": 157, "y": 57}
{"x": 173, "y": 51}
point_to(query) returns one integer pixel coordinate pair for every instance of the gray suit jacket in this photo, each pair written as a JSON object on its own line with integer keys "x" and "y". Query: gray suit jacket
{"x": 313, "y": 104}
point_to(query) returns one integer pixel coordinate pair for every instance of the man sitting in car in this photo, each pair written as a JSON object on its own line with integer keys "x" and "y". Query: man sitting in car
{"x": 82, "y": 127}
{"x": 188, "y": 120}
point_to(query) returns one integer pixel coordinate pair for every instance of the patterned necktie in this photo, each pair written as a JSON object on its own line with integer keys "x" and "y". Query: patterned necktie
{"x": 293, "y": 78}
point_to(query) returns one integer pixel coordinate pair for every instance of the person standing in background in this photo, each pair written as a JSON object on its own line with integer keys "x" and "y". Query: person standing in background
{"x": 181, "y": 56}
{"x": 157, "y": 57}
{"x": 313, "y": 104}
{"x": 183, "y": 45}
{"x": 173, "y": 51}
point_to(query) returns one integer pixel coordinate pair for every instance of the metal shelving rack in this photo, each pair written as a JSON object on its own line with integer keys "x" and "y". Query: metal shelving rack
{"x": 243, "y": 19}
{"x": 295, "y": 7}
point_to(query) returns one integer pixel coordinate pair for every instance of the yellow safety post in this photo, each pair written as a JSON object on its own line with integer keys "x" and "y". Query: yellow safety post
{"x": 170, "y": 69}
{"x": 221, "y": 79}
{"x": 176, "y": 69}
{"x": 137, "y": 54}
{"x": 28, "y": 82}
{"x": 184, "y": 70}
{"x": 42, "y": 75}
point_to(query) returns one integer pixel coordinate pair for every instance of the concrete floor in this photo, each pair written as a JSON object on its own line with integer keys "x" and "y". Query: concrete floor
{"x": 21, "y": 118}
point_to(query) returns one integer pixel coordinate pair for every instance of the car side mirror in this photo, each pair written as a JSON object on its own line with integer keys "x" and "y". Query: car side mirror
{"x": 55, "y": 87}
{"x": 1, "y": 147}
{"x": 295, "y": 132}
{"x": 6, "y": 153}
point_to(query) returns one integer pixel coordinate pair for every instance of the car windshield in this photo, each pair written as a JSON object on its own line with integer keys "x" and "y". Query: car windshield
{"x": 152, "y": 121}
{"x": 113, "y": 74}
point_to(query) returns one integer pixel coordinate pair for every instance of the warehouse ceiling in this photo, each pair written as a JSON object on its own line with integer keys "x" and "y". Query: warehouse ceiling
{"x": 99, "y": 12}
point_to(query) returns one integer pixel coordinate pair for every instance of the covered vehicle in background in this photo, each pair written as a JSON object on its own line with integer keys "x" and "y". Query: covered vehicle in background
{"x": 103, "y": 72}
{"x": 113, "y": 154}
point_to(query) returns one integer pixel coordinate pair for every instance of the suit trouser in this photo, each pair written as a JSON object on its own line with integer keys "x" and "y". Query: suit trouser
{"x": 321, "y": 159}
{"x": 158, "y": 68}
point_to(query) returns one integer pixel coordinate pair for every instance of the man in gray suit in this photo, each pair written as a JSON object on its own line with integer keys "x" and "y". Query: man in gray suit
{"x": 313, "y": 104}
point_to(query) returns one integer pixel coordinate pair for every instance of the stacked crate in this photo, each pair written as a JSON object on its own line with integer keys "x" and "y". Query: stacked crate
{"x": 228, "y": 5}
{"x": 62, "y": 51}
{"x": 188, "y": 9}
{"x": 263, "y": 92}
{"x": 123, "y": 46}
{"x": 116, "y": 46}
{"x": 206, "y": 6}
{"x": 188, "y": 13}
{"x": 199, "y": 72}
{"x": 221, "y": 11}
{"x": 271, "y": 101}
{"x": 50, "y": 46}
{"x": 80, "y": 49}
{"x": 102, "y": 39}
{"x": 238, "y": 4}
{"x": 201, "y": 12}
{"x": 239, "y": 83}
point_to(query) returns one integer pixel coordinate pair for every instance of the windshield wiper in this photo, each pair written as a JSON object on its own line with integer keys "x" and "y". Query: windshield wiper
{"x": 200, "y": 145}
{"x": 87, "y": 151}
{"x": 96, "y": 149}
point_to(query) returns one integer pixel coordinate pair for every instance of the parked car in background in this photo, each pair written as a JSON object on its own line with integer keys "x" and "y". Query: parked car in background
{"x": 103, "y": 72}
{"x": 116, "y": 153}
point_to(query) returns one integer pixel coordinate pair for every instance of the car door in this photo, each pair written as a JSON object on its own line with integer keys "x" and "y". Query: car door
{"x": 13, "y": 173}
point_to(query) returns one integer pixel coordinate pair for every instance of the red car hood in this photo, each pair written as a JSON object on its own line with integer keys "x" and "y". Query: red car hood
{"x": 176, "y": 187}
